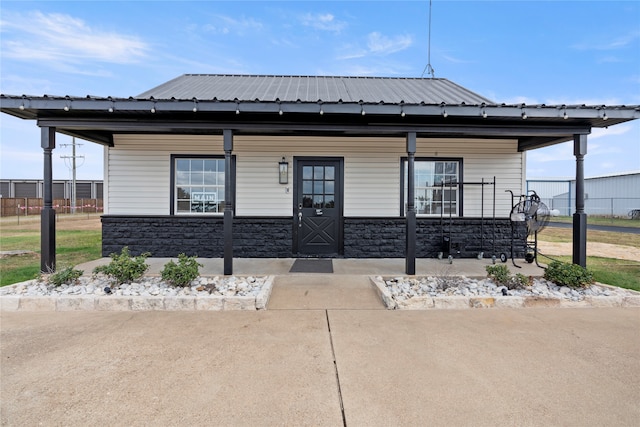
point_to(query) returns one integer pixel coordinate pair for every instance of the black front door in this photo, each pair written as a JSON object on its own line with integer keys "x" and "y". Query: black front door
{"x": 318, "y": 206}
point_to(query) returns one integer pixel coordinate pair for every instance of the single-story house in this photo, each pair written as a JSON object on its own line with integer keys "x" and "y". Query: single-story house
{"x": 311, "y": 166}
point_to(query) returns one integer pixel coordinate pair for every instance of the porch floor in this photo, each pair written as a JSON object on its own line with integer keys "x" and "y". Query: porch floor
{"x": 470, "y": 267}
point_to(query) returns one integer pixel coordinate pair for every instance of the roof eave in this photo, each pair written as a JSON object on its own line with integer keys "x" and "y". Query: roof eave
{"x": 34, "y": 107}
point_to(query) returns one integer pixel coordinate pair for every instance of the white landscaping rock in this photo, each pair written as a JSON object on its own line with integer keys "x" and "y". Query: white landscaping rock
{"x": 414, "y": 293}
{"x": 146, "y": 294}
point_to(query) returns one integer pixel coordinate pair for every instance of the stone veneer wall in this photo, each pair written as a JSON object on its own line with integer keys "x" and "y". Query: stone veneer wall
{"x": 163, "y": 236}
{"x": 385, "y": 238}
{"x": 167, "y": 236}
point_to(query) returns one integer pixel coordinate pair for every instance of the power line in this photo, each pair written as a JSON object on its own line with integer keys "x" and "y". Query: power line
{"x": 73, "y": 168}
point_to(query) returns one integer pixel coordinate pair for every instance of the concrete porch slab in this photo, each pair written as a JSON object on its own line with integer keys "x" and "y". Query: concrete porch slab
{"x": 323, "y": 291}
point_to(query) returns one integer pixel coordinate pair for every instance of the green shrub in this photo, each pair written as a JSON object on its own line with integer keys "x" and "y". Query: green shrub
{"x": 66, "y": 275}
{"x": 182, "y": 273}
{"x": 500, "y": 274}
{"x": 565, "y": 274}
{"x": 123, "y": 267}
{"x": 521, "y": 280}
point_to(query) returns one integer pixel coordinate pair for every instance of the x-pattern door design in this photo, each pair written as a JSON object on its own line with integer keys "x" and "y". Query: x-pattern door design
{"x": 317, "y": 207}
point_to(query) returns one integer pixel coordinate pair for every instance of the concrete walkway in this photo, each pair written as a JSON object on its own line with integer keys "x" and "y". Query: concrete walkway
{"x": 324, "y": 353}
{"x": 339, "y": 367}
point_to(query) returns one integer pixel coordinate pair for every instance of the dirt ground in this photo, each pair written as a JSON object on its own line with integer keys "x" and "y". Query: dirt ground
{"x": 66, "y": 222}
{"x": 604, "y": 250}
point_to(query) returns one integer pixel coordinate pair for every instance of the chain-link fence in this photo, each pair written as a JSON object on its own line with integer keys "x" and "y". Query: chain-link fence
{"x": 24, "y": 206}
{"x": 610, "y": 207}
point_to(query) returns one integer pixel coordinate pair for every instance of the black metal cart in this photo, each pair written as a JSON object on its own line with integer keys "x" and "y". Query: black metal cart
{"x": 449, "y": 246}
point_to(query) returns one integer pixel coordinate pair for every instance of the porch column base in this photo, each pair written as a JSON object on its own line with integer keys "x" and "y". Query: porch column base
{"x": 228, "y": 242}
{"x": 580, "y": 239}
{"x": 48, "y": 240}
{"x": 410, "y": 260}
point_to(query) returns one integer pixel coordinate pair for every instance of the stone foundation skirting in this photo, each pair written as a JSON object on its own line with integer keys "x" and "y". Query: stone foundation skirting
{"x": 264, "y": 237}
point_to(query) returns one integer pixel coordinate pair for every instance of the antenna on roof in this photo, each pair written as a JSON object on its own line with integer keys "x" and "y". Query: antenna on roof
{"x": 429, "y": 69}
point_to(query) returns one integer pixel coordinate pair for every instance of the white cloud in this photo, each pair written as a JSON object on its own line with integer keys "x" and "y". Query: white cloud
{"x": 619, "y": 42}
{"x": 454, "y": 60}
{"x": 607, "y": 165}
{"x": 377, "y": 45}
{"x": 609, "y": 59}
{"x": 583, "y": 101}
{"x": 612, "y": 131}
{"x": 521, "y": 100}
{"x": 63, "y": 39}
{"x": 383, "y": 45}
{"x": 352, "y": 52}
{"x": 228, "y": 25}
{"x": 323, "y": 21}
{"x": 556, "y": 153}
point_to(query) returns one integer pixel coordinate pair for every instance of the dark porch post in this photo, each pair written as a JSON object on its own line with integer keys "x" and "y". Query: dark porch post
{"x": 410, "y": 261}
{"x": 48, "y": 214}
{"x": 580, "y": 217}
{"x": 228, "y": 202}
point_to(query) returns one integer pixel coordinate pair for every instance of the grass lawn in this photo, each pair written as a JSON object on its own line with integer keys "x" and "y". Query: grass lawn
{"x": 556, "y": 234}
{"x": 616, "y": 272}
{"x": 77, "y": 241}
{"x": 612, "y": 271}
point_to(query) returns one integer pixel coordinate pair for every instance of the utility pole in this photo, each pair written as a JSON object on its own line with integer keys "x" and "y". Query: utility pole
{"x": 73, "y": 168}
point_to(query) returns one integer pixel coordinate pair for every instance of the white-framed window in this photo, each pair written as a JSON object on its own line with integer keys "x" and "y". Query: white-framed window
{"x": 198, "y": 184}
{"x": 437, "y": 186}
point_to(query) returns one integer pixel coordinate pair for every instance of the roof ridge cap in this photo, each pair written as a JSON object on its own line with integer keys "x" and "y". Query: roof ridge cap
{"x": 310, "y": 76}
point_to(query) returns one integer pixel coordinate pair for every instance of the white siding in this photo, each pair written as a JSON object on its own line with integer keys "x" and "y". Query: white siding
{"x": 482, "y": 158}
{"x": 139, "y": 170}
{"x": 371, "y": 173}
{"x": 138, "y": 173}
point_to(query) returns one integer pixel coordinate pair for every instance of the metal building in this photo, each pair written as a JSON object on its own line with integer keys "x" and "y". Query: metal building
{"x": 34, "y": 189}
{"x": 613, "y": 195}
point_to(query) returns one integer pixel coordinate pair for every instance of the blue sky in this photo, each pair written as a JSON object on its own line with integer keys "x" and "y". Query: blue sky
{"x": 551, "y": 52}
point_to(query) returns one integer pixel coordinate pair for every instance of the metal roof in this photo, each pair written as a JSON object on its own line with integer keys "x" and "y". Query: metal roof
{"x": 314, "y": 89}
{"x": 283, "y": 105}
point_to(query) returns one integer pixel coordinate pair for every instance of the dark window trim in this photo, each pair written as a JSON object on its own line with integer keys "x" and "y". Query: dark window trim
{"x": 433, "y": 159}
{"x": 199, "y": 156}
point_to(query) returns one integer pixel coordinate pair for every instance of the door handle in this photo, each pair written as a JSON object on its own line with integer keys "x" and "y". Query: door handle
{"x": 299, "y": 219}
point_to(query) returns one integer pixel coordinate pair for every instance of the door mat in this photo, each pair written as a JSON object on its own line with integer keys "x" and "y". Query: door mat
{"x": 312, "y": 266}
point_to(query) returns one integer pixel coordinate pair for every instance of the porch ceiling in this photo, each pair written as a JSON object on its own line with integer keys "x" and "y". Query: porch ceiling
{"x": 98, "y": 119}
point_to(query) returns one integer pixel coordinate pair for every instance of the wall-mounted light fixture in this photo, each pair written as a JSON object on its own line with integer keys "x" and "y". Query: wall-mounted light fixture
{"x": 283, "y": 168}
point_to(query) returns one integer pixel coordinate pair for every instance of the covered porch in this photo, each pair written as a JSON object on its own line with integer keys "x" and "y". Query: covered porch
{"x": 394, "y": 114}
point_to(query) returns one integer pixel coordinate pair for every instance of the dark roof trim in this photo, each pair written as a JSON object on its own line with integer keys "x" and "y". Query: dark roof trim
{"x": 33, "y": 107}
{"x": 129, "y": 126}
